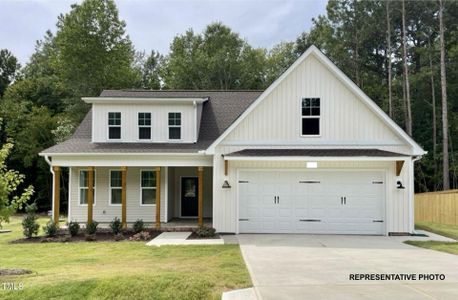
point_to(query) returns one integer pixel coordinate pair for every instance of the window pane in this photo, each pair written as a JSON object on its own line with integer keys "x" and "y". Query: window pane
{"x": 116, "y": 179}
{"x": 83, "y": 196}
{"x": 144, "y": 133}
{"x": 315, "y": 102}
{"x": 175, "y": 119}
{"x": 310, "y": 126}
{"x": 315, "y": 111}
{"x": 174, "y": 133}
{"x": 114, "y": 133}
{"x": 116, "y": 196}
{"x": 83, "y": 179}
{"x": 148, "y": 196}
{"x": 148, "y": 179}
{"x": 305, "y": 102}
{"x": 114, "y": 118}
{"x": 144, "y": 119}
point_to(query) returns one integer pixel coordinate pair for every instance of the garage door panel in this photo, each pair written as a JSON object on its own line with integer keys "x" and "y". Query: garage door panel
{"x": 313, "y": 196}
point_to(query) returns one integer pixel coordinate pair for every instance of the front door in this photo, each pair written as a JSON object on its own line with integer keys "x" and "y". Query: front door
{"x": 189, "y": 202}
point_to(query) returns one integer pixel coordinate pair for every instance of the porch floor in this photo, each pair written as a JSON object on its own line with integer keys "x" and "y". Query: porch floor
{"x": 180, "y": 223}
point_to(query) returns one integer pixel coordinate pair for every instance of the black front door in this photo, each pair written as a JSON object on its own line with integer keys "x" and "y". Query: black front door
{"x": 189, "y": 202}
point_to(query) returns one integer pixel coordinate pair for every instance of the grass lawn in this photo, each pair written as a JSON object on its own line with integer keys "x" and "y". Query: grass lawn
{"x": 450, "y": 231}
{"x": 121, "y": 270}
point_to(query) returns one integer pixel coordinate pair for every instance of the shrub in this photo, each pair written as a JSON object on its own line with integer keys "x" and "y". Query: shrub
{"x": 91, "y": 228}
{"x": 29, "y": 223}
{"x": 73, "y": 228}
{"x": 50, "y": 229}
{"x": 116, "y": 226}
{"x": 139, "y": 226}
{"x": 205, "y": 232}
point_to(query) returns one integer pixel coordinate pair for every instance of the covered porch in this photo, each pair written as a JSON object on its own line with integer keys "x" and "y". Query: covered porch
{"x": 173, "y": 196}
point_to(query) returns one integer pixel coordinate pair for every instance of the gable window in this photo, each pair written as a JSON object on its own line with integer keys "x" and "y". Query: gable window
{"x": 310, "y": 116}
{"x": 84, "y": 186}
{"x": 115, "y": 187}
{"x": 114, "y": 125}
{"x": 174, "y": 126}
{"x": 148, "y": 187}
{"x": 144, "y": 126}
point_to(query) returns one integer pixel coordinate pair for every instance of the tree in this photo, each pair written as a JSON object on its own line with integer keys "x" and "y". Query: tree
{"x": 151, "y": 69}
{"x": 388, "y": 58}
{"x": 94, "y": 51}
{"x": 408, "y": 117}
{"x": 9, "y": 69}
{"x": 10, "y": 180}
{"x": 445, "y": 141}
{"x": 279, "y": 58}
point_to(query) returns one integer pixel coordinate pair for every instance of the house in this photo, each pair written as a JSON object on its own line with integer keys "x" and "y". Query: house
{"x": 310, "y": 154}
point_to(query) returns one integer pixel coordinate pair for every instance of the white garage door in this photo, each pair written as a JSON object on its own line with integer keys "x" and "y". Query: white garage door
{"x": 326, "y": 202}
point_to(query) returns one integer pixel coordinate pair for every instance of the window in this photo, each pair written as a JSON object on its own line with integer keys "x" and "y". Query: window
{"x": 148, "y": 187}
{"x": 310, "y": 116}
{"x": 174, "y": 126}
{"x": 84, "y": 186}
{"x": 115, "y": 187}
{"x": 114, "y": 125}
{"x": 144, "y": 126}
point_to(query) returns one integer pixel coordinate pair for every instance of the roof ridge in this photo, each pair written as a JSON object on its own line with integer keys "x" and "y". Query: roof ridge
{"x": 181, "y": 90}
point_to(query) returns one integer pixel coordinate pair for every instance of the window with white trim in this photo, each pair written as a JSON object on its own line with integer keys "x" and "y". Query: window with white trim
{"x": 144, "y": 126}
{"x": 114, "y": 125}
{"x": 174, "y": 126}
{"x": 83, "y": 186}
{"x": 310, "y": 116}
{"x": 148, "y": 187}
{"x": 115, "y": 187}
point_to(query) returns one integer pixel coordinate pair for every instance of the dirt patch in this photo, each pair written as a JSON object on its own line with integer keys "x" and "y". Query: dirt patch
{"x": 82, "y": 237}
{"x": 11, "y": 272}
{"x": 194, "y": 236}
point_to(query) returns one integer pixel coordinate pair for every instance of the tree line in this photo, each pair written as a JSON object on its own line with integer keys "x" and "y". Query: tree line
{"x": 403, "y": 54}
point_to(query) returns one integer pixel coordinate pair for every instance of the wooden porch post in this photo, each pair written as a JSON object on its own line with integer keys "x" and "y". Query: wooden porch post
{"x": 56, "y": 191}
{"x": 200, "y": 173}
{"x": 90, "y": 193}
{"x": 123, "y": 197}
{"x": 158, "y": 197}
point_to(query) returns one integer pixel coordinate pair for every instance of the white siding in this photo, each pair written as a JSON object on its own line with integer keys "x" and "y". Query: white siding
{"x": 129, "y": 121}
{"x": 398, "y": 208}
{"x": 103, "y": 212}
{"x": 345, "y": 119}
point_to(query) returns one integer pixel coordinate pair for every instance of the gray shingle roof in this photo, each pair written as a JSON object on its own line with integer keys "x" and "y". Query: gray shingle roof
{"x": 315, "y": 153}
{"x": 218, "y": 114}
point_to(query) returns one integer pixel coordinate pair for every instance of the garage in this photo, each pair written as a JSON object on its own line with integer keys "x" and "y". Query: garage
{"x": 312, "y": 201}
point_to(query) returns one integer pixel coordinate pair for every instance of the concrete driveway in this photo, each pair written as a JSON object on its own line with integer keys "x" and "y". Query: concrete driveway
{"x": 318, "y": 267}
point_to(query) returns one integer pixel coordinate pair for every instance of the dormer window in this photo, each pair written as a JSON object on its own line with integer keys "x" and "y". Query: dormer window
{"x": 144, "y": 126}
{"x": 174, "y": 126}
{"x": 310, "y": 116}
{"x": 114, "y": 125}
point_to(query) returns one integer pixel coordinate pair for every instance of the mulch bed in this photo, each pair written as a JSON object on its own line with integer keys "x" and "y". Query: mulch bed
{"x": 194, "y": 236}
{"x": 11, "y": 272}
{"x": 103, "y": 236}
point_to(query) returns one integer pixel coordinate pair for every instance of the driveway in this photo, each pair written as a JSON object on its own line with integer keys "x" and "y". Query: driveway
{"x": 318, "y": 267}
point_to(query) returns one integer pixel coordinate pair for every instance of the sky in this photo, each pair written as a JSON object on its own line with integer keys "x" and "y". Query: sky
{"x": 152, "y": 24}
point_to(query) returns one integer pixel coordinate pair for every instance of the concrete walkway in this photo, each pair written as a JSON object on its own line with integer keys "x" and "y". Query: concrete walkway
{"x": 288, "y": 266}
{"x": 180, "y": 238}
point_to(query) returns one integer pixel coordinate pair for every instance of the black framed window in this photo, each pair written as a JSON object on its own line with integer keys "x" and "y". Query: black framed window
{"x": 114, "y": 125}
{"x": 144, "y": 126}
{"x": 174, "y": 126}
{"x": 310, "y": 116}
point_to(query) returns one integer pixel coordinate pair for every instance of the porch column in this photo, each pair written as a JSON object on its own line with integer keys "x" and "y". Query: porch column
{"x": 90, "y": 193}
{"x": 123, "y": 197}
{"x": 56, "y": 190}
{"x": 200, "y": 175}
{"x": 158, "y": 197}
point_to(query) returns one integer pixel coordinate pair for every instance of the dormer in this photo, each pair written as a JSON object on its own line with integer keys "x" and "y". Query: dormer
{"x": 145, "y": 120}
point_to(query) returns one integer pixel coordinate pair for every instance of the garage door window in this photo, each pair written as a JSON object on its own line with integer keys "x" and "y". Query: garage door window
{"x": 310, "y": 116}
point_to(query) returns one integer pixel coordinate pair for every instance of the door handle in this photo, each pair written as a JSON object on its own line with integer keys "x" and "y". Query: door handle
{"x": 341, "y": 200}
{"x": 278, "y": 199}
{"x": 345, "y": 200}
{"x": 275, "y": 199}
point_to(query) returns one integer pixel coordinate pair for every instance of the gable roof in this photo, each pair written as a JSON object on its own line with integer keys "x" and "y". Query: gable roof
{"x": 220, "y": 112}
{"x": 312, "y": 50}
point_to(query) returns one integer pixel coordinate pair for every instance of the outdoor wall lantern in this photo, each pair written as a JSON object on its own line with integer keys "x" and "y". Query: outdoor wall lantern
{"x": 400, "y": 186}
{"x": 226, "y": 185}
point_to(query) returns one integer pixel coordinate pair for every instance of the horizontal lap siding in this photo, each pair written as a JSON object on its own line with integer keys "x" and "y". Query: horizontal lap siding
{"x": 103, "y": 212}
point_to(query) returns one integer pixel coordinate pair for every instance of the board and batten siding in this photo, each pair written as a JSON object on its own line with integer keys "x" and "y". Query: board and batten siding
{"x": 398, "y": 210}
{"x": 159, "y": 121}
{"x": 103, "y": 212}
{"x": 346, "y": 122}
{"x": 345, "y": 119}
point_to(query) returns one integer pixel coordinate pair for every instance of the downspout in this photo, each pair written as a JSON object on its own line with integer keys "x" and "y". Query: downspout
{"x": 46, "y": 157}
